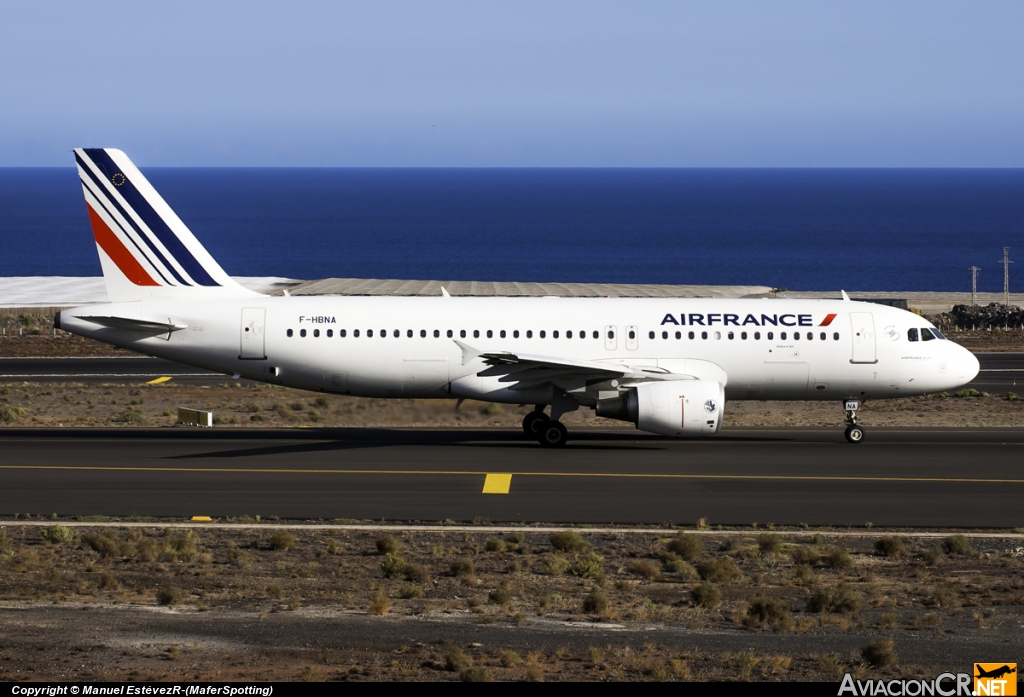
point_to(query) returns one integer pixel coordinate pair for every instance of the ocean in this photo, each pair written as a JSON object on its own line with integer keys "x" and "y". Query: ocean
{"x": 801, "y": 229}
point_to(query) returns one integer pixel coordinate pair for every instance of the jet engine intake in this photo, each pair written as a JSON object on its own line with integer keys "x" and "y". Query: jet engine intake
{"x": 670, "y": 407}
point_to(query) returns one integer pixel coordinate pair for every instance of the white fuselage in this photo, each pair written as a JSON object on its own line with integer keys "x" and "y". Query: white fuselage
{"x": 417, "y": 346}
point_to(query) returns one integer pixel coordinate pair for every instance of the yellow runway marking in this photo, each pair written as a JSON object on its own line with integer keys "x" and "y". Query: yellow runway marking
{"x": 497, "y": 483}
{"x": 201, "y": 518}
{"x": 581, "y": 475}
{"x": 159, "y": 381}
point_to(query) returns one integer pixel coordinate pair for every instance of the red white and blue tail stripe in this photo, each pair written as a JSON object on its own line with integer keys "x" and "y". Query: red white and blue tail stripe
{"x": 144, "y": 248}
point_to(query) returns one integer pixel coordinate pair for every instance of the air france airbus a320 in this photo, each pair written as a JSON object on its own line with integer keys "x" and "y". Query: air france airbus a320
{"x": 666, "y": 365}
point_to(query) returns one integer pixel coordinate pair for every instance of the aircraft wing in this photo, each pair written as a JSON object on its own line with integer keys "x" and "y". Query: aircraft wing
{"x": 528, "y": 370}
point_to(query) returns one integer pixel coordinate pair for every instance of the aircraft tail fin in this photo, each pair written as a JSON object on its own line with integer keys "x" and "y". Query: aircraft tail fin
{"x": 144, "y": 247}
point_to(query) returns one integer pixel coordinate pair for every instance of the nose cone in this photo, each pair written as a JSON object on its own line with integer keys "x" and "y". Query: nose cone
{"x": 966, "y": 365}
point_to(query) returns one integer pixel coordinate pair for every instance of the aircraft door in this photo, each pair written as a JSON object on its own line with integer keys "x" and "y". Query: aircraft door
{"x": 253, "y": 339}
{"x": 610, "y": 342}
{"x": 862, "y": 325}
{"x": 632, "y": 333}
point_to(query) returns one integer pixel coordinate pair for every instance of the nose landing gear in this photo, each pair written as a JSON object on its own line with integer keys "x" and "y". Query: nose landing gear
{"x": 854, "y": 433}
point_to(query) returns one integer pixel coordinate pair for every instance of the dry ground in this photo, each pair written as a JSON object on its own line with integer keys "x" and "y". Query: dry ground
{"x": 178, "y": 603}
{"x": 76, "y": 404}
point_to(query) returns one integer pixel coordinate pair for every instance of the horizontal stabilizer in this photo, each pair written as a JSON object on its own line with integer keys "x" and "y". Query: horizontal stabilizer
{"x": 141, "y": 325}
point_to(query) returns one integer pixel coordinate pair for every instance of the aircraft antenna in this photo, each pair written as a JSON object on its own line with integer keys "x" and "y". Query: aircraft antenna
{"x": 974, "y": 285}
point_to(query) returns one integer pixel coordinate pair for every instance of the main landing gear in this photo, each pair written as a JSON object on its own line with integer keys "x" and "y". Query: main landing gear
{"x": 547, "y": 432}
{"x": 854, "y": 433}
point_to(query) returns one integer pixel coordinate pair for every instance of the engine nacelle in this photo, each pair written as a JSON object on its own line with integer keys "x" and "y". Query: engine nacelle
{"x": 670, "y": 407}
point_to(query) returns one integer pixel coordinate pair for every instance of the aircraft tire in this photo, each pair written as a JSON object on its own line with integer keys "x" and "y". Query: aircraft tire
{"x": 854, "y": 434}
{"x": 552, "y": 434}
{"x": 532, "y": 423}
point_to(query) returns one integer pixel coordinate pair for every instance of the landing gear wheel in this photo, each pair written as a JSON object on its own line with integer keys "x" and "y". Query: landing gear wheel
{"x": 854, "y": 434}
{"x": 532, "y": 422}
{"x": 552, "y": 434}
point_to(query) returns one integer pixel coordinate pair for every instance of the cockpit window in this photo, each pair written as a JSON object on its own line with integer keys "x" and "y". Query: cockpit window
{"x": 926, "y": 334}
{"x": 911, "y": 335}
{"x": 938, "y": 334}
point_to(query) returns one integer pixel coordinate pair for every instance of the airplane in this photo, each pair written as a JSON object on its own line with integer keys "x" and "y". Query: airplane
{"x": 667, "y": 365}
{"x": 995, "y": 673}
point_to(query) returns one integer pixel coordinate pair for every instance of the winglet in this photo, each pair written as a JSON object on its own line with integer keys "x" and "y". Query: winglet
{"x": 845, "y": 296}
{"x": 444, "y": 292}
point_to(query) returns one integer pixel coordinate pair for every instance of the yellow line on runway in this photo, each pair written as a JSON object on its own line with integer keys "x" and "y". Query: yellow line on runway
{"x": 582, "y": 475}
{"x": 159, "y": 381}
{"x": 497, "y": 483}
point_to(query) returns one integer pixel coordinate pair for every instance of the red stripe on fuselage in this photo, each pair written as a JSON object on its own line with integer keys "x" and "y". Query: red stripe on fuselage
{"x": 827, "y": 321}
{"x": 117, "y": 252}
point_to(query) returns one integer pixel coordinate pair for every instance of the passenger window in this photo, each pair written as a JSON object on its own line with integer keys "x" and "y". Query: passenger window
{"x": 476, "y": 333}
{"x": 650, "y": 335}
{"x": 810, "y": 336}
{"x": 330, "y": 333}
{"x": 782, "y": 335}
{"x": 796, "y": 335}
{"x": 690, "y": 335}
{"x": 383, "y": 333}
{"x": 679, "y": 335}
{"x": 731, "y": 336}
{"x": 611, "y": 335}
{"x": 529, "y": 333}
{"x": 543, "y": 334}
{"x": 316, "y": 333}
{"x": 302, "y": 333}
{"x": 597, "y": 335}
{"x": 290, "y": 332}
{"x": 554, "y": 334}
{"x": 355, "y": 333}
{"x": 449, "y": 333}
{"x": 502, "y": 334}
{"x": 703, "y": 335}
{"x": 583, "y": 335}
{"x": 771, "y": 336}
{"x": 757, "y": 335}
{"x": 926, "y": 335}
{"x": 515, "y": 334}
{"x": 835, "y": 336}
{"x": 822, "y": 336}
{"x": 664, "y": 335}
{"x": 632, "y": 334}
{"x": 743, "y": 335}
{"x": 436, "y": 333}
{"x": 397, "y": 333}
{"x": 462, "y": 333}
{"x": 408, "y": 333}
{"x": 718, "y": 336}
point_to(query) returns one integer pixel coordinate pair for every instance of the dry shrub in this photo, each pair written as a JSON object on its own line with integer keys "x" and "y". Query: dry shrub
{"x": 555, "y": 564}
{"x": 808, "y": 555}
{"x": 500, "y": 596}
{"x": 462, "y": 568}
{"x": 880, "y": 653}
{"x": 644, "y": 568}
{"x": 768, "y": 612}
{"x": 589, "y": 565}
{"x": 568, "y": 541}
{"x": 933, "y": 556}
{"x": 510, "y": 659}
{"x": 718, "y": 570}
{"x": 169, "y": 596}
{"x": 388, "y": 544}
{"x": 706, "y": 595}
{"x": 477, "y": 674}
{"x": 841, "y": 598}
{"x": 393, "y": 567}
{"x": 838, "y": 558}
{"x": 108, "y": 545}
{"x": 596, "y": 602}
{"x": 282, "y": 540}
{"x": 770, "y": 543}
{"x": 493, "y": 544}
{"x": 59, "y": 534}
{"x": 686, "y": 545}
{"x": 410, "y": 592}
{"x": 959, "y": 544}
{"x": 457, "y": 660}
{"x": 379, "y": 604}
{"x": 891, "y": 547}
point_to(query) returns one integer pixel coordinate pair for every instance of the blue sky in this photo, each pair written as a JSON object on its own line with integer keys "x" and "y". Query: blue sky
{"x": 637, "y": 84}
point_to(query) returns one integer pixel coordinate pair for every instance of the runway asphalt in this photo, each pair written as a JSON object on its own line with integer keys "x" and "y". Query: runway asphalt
{"x": 1000, "y": 372}
{"x": 968, "y": 477}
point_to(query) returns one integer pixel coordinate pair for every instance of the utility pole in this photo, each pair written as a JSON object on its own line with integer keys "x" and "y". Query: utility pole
{"x": 1006, "y": 276}
{"x": 974, "y": 285}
